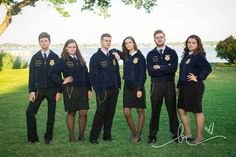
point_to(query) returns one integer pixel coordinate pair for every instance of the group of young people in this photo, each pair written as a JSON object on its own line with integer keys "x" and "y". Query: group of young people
{"x": 49, "y": 76}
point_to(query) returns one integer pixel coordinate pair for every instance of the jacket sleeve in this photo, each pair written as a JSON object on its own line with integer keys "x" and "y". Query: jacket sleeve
{"x": 55, "y": 72}
{"x": 172, "y": 67}
{"x": 120, "y": 53}
{"x": 88, "y": 85}
{"x": 151, "y": 71}
{"x": 142, "y": 77}
{"x": 118, "y": 75}
{"x": 31, "y": 76}
{"x": 93, "y": 73}
{"x": 205, "y": 67}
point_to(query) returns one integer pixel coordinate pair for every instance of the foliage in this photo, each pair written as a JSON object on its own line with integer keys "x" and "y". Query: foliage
{"x": 226, "y": 49}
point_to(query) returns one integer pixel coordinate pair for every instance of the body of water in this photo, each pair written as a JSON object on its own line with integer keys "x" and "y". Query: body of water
{"x": 88, "y": 52}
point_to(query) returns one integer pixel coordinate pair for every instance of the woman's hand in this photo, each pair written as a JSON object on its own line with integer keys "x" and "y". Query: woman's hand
{"x": 117, "y": 56}
{"x": 192, "y": 77}
{"x": 90, "y": 94}
{"x": 58, "y": 97}
{"x": 139, "y": 94}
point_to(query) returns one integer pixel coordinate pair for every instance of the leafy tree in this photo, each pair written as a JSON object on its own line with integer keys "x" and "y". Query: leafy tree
{"x": 226, "y": 49}
{"x": 14, "y": 7}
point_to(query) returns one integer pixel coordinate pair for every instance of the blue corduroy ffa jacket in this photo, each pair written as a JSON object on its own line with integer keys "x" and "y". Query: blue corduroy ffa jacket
{"x": 38, "y": 71}
{"x": 104, "y": 72}
{"x": 195, "y": 64}
{"x": 168, "y": 64}
{"x": 71, "y": 67}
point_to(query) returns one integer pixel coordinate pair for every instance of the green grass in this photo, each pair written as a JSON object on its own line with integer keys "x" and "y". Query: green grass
{"x": 219, "y": 107}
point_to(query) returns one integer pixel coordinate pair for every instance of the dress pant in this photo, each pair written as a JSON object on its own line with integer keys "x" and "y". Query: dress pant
{"x": 41, "y": 94}
{"x": 106, "y": 106}
{"x": 160, "y": 91}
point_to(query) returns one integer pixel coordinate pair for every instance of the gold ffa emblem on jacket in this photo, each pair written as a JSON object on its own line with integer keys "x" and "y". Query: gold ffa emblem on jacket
{"x": 52, "y": 62}
{"x": 188, "y": 61}
{"x": 135, "y": 61}
{"x": 167, "y": 57}
{"x": 114, "y": 62}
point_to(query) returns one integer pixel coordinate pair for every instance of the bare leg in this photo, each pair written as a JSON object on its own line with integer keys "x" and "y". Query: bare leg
{"x": 70, "y": 120}
{"x": 128, "y": 116}
{"x": 186, "y": 122}
{"x": 82, "y": 123}
{"x": 141, "y": 118}
{"x": 200, "y": 124}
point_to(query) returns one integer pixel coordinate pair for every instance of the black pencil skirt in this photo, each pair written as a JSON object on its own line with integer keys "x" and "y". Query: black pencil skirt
{"x": 190, "y": 97}
{"x": 130, "y": 99}
{"x": 75, "y": 98}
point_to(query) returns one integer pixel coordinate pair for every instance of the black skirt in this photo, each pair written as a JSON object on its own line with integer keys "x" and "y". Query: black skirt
{"x": 130, "y": 99}
{"x": 190, "y": 97}
{"x": 75, "y": 98}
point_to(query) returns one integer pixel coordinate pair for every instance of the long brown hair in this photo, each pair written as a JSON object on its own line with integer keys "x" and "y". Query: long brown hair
{"x": 125, "y": 50}
{"x": 65, "y": 54}
{"x": 199, "y": 48}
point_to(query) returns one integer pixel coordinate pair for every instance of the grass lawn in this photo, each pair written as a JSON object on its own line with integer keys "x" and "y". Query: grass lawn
{"x": 219, "y": 107}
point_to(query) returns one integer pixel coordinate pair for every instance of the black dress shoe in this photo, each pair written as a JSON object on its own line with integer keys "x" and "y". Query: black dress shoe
{"x": 33, "y": 141}
{"x": 152, "y": 141}
{"x": 94, "y": 141}
{"x": 47, "y": 141}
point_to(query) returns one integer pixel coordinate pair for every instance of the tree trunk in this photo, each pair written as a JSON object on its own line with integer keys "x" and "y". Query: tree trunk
{"x": 10, "y": 12}
{"x": 5, "y": 22}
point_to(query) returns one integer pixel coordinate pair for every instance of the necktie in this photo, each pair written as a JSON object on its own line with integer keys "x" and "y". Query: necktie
{"x": 160, "y": 51}
{"x": 107, "y": 54}
{"x": 44, "y": 57}
{"x": 76, "y": 60}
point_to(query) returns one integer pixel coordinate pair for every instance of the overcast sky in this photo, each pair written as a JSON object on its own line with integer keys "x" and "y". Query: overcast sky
{"x": 212, "y": 20}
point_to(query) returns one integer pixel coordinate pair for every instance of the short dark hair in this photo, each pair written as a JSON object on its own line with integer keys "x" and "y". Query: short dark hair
{"x": 44, "y": 35}
{"x": 105, "y": 35}
{"x": 157, "y": 32}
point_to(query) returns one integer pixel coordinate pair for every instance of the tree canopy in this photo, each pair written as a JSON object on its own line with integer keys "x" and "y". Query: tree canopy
{"x": 100, "y": 7}
{"x": 226, "y": 49}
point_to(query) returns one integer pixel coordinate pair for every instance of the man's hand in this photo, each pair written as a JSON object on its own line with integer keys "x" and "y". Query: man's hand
{"x": 177, "y": 91}
{"x": 32, "y": 96}
{"x": 68, "y": 80}
{"x": 58, "y": 97}
{"x": 156, "y": 67}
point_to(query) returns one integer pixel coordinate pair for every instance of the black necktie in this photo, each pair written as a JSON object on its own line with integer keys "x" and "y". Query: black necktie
{"x": 76, "y": 60}
{"x": 44, "y": 57}
{"x": 160, "y": 51}
{"x": 107, "y": 54}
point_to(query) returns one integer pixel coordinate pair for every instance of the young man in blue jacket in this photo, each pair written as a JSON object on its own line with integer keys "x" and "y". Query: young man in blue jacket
{"x": 41, "y": 87}
{"x": 105, "y": 80}
{"x": 162, "y": 64}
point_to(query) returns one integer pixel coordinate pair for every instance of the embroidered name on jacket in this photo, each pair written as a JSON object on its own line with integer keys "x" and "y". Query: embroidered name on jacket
{"x": 70, "y": 64}
{"x": 38, "y": 62}
{"x": 104, "y": 64}
{"x": 155, "y": 59}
